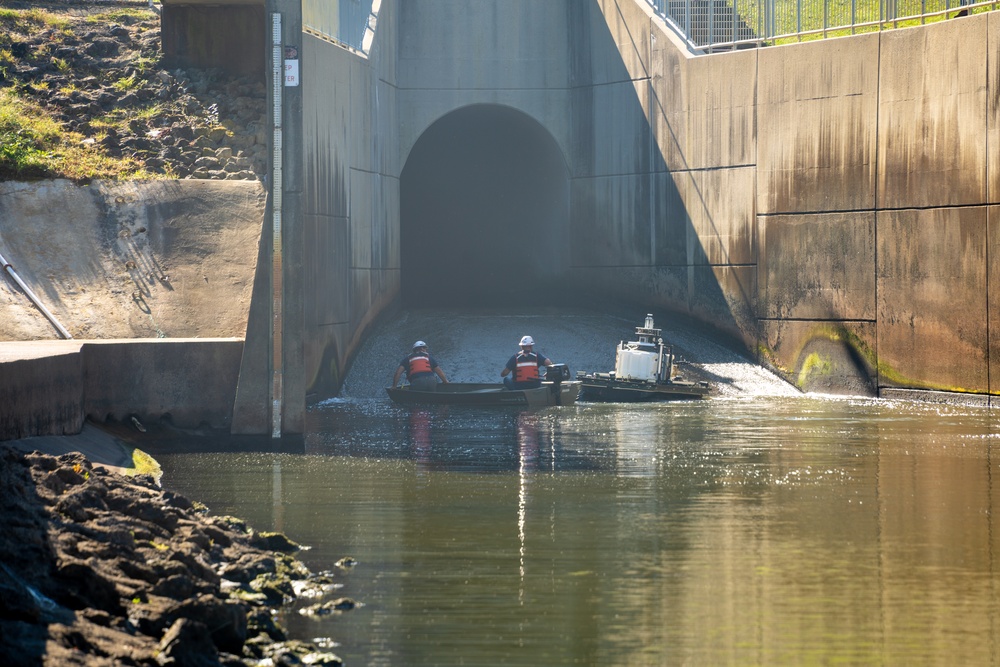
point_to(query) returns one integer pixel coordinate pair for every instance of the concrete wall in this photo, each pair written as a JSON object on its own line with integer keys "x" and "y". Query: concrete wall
{"x": 40, "y": 389}
{"x": 350, "y": 204}
{"x": 838, "y": 193}
{"x": 884, "y": 223}
{"x": 228, "y": 34}
{"x": 826, "y": 203}
{"x": 155, "y": 259}
{"x": 688, "y": 125}
{"x": 51, "y": 387}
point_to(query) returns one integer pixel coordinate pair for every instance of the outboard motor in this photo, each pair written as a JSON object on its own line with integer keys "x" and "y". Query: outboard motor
{"x": 556, "y": 373}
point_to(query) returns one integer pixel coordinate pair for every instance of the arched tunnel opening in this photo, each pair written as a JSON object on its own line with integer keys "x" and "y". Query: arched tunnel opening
{"x": 484, "y": 213}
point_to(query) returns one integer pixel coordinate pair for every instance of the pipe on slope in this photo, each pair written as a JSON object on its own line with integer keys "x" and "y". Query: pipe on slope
{"x": 34, "y": 299}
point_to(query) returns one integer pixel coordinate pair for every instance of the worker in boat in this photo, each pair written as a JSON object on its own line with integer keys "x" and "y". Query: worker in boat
{"x": 420, "y": 368}
{"x": 523, "y": 367}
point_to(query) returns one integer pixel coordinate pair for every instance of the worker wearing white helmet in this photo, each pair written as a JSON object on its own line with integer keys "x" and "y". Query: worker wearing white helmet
{"x": 523, "y": 367}
{"x": 420, "y": 368}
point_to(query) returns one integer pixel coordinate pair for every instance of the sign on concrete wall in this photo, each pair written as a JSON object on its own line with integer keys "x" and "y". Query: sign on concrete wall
{"x": 291, "y": 66}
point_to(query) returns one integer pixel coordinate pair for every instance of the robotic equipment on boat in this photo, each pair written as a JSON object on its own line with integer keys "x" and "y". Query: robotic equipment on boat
{"x": 644, "y": 371}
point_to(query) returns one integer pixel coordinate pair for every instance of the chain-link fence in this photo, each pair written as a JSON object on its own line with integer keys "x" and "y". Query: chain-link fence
{"x": 717, "y": 25}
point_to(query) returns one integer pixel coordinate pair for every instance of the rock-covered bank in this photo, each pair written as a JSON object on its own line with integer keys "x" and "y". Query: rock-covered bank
{"x": 96, "y": 69}
{"x": 101, "y": 569}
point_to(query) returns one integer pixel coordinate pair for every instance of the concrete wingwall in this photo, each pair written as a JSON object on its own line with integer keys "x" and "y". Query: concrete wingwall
{"x": 350, "y": 204}
{"x": 826, "y": 203}
{"x": 837, "y": 196}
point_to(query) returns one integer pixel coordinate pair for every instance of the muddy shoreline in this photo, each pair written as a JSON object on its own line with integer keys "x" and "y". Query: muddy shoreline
{"x": 100, "y": 568}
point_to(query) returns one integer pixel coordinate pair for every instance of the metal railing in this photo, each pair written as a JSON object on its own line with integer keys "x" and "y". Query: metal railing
{"x": 724, "y": 25}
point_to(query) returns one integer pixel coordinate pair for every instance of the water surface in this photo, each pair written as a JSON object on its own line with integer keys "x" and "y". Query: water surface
{"x": 742, "y": 530}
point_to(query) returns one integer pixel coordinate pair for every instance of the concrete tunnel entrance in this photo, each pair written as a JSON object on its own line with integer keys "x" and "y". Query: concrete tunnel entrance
{"x": 484, "y": 212}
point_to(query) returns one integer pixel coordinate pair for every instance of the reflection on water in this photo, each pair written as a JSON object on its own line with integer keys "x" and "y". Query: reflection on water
{"x": 779, "y": 530}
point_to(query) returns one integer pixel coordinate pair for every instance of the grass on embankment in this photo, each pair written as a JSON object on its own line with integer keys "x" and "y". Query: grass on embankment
{"x": 33, "y": 144}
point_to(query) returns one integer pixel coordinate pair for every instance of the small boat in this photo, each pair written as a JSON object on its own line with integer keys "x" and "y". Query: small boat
{"x": 554, "y": 391}
{"x": 644, "y": 371}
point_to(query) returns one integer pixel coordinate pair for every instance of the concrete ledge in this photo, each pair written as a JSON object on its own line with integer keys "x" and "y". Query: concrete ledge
{"x": 51, "y": 387}
{"x": 942, "y": 397}
{"x": 41, "y": 389}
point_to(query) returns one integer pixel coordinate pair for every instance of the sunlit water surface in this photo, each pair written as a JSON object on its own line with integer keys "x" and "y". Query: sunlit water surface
{"x": 753, "y": 530}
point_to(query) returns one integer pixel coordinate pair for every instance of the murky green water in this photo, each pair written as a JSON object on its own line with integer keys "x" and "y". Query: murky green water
{"x": 755, "y": 531}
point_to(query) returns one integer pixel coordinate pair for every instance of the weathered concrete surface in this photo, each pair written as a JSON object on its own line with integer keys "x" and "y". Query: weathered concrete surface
{"x": 817, "y": 267}
{"x": 52, "y": 387}
{"x": 351, "y": 201}
{"x": 191, "y": 383}
{"x": 226, "y": 34}
{"x": 157, "y": 261}
{"x": 805, "y": 123}
{"x": 993, "y": 302}
{"x": 703, "y": 115}
{"x": 41, "y": 388}
{"x": 722, "y": 224}
{"x": 932, "y": 122}
{"x": 993, "y": 111}
{"x": 817, "y": 122}
{"x": 130, "y": 260}
{"x": 720, "y": 112}
{"x": 828, "y": 357}
{"x": 932, "y": 305}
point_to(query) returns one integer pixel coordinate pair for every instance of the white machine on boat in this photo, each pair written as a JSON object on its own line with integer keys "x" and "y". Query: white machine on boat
{"x": 644, "y": 371}
{"x": 646, "y": 359}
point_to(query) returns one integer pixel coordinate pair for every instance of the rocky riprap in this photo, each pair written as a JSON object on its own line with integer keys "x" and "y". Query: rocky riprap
{"x": 184, "y": 123}
{"x": 101, "y": 569}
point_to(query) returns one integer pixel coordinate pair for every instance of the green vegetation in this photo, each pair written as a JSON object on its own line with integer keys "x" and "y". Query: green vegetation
{"x": 29, "y": 20}
{"x": 119, "y": 15}
{"x": 143, "y": 64}
{"x": 144, "y": 464}
{"x": 126, "y": 83}
{"x": 841, "y": 18}
{"x": 32, "y": 145}
{"x": 26, "y": 137}
{"x": 813, "y": 366}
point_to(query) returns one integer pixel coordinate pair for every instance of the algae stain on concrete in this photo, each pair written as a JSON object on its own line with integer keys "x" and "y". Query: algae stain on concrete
{"x": 812, "y": 367}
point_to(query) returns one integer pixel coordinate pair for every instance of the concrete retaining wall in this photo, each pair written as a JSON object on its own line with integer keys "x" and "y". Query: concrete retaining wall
{"x": 827, "y": 203}
{"x": 840, "y": 193}
{"x": 51, "y": 387}
{"x": 229, "y": 35}
{"x": 41, "y": 389}
{"x": 350, "y": 246}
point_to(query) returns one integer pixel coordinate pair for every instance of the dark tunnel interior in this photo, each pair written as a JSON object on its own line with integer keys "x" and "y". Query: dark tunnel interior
{"x": 484, "y": 212}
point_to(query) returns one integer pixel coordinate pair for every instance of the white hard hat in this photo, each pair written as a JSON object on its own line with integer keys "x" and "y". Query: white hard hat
{"x": 527, "y": 340}
{"x": 419, "y": 343}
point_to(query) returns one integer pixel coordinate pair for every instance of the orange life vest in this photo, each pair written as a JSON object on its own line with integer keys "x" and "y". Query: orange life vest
{"x": 419, "y": 363}
{"x": 526, "y": 367}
